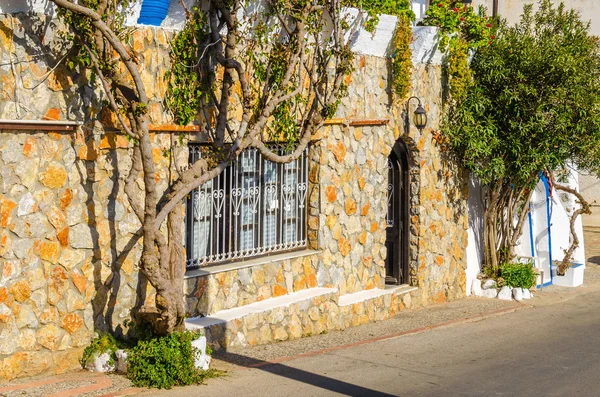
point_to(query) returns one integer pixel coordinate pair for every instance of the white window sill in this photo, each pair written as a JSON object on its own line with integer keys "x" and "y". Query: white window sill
{"x": 263, "y": 260}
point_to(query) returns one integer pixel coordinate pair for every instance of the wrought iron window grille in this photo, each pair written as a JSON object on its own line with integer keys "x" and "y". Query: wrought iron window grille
{"x": 253, "y": 208}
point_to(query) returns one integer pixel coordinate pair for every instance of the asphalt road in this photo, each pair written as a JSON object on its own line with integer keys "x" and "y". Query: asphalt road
{"x": 547, "y": 350}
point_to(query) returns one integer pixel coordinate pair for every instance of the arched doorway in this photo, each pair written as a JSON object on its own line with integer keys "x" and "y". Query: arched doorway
{"x": 397, "y": 231}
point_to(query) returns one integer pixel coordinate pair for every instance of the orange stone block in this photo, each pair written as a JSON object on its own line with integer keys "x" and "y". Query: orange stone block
{"x": 300, "y": 283}
{"x": 30, "y": 147}
{"x": 54, "y": 177}
{"x": 439, "y": 260}
{"x": 339, "y": 151}
{"x": 363, "y": 237}
{"x": 330, "y": 193}
{"x": 4, "y": 244}
{"x": 278, "y": 290}
{"x": 21, "y": 291}
{"x": 52, "y": 114}
{"x": 365, "y": 209}
{"x": 312, "y": 280}
{"x": 344, "y": 246}
{"x": 350, "y": 206}
{"x": 79, "y": 281}
{"x": 66, "y": 198}
{"x": 156, "y": 155}
{"x": 374, "y": 227}
{"x": 330, "y": 221}
{"x": 361, "y": 183}
{"x": 114, "y": 141}
{"x": 71, "y": 322}
{"x": 3, "y": 294}
{"x": 48, "y": 251}
{"x": 358, "y": 134}
{"x": 6, "y": 207}
{"x": 279, "y": 277}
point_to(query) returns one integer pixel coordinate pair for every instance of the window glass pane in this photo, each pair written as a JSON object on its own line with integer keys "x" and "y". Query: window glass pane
{"x": 247, "y": 239}
{"x": 270, "y": 230}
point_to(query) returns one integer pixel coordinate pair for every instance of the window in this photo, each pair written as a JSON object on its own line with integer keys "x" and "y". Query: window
{"x": 255, "y": 207}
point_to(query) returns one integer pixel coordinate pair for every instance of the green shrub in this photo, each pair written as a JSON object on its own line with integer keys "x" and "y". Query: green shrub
{"x": 164, "y": 362}
{"x": 103, "y": 343}
{"x": 518, "y": 275}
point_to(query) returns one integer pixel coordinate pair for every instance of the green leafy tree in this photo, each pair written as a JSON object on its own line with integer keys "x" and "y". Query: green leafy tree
{"x": 533, "y": 105}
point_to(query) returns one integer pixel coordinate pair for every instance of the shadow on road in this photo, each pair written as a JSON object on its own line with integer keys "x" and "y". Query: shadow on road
{"x": 594, "y": 259}
{"x": 300, "y": 375}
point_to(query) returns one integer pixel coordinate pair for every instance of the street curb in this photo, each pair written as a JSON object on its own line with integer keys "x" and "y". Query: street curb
{"x": 477, "y": 317}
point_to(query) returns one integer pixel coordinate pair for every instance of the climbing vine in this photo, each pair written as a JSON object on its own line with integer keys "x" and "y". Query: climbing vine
{"x": 193, "y": 77}
{"x": 187, "y": 90}
{"x": 462, "y": 29}
{"x": 246, "y": 74}
{"x": 401, "y": 61}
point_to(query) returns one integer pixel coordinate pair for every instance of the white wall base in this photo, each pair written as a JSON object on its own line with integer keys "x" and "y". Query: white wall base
{"x": 573, "y": 277}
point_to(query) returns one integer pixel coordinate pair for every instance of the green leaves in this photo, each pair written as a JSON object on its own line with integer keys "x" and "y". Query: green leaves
{"x": 164, "y": 362}
{"x": 189, "y": 82}
{"x": 518, "y": 275}
{"x": 462, "y": 30}
{"x": 374, "y": 8}
{"x": 534, "y": 102}
{"x": 104, "y": 343}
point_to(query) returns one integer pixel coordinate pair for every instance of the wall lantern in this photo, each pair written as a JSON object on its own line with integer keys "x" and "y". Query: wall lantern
{"x": 419, "y": 117}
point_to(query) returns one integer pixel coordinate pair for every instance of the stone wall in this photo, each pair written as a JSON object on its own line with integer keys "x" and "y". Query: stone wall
{"x": 347, "y": 197}
{"x": 69, "y": 245}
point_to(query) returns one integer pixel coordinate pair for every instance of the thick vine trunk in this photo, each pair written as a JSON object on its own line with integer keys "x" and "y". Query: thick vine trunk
{"x": 584, "y": 209}
{"x": 163, "y": 260}
{"x": 506, "y": 208}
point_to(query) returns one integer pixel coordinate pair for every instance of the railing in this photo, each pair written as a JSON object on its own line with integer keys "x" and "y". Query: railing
{"x": 254, "y": 207}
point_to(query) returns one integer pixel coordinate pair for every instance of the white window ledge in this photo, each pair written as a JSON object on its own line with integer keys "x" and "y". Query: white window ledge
{"x": 263, "y": 260}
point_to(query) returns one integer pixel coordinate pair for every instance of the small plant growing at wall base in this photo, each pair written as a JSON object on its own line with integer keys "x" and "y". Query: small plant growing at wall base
{"x": 518, "y": 275}
{"x": 167, "y": 361}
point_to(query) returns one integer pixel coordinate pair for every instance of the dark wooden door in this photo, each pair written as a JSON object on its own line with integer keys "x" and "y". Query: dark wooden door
{"x": 396, "y": 242}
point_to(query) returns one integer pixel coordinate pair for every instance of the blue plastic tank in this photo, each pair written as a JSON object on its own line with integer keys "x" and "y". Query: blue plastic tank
{"x": 153, "y": 12}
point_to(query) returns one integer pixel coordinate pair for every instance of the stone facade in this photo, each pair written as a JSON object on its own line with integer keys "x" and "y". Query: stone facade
{"x": 348, "y": 195}
{"x": 69, "y": 245}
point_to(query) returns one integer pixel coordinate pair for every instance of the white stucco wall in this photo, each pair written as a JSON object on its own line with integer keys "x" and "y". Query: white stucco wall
{"x": 512, "y": 10}
{"x": 475, "y": 232}
{"x": 535, "y": 228}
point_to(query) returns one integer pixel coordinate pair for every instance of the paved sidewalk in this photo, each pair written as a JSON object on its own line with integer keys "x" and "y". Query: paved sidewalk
{"x": 410, "y": 322}
{"x": 80, "y": 383}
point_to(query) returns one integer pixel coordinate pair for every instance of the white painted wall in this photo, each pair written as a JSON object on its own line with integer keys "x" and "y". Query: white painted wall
{"x": 512, "y": 10}
{"x": 475, "y": 232}
{"x": 561, "y": 206}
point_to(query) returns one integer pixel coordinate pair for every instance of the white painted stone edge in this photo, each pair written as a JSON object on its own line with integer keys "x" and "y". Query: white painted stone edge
{"x": 361, "y": 296}
{"x": 224, "y": 316}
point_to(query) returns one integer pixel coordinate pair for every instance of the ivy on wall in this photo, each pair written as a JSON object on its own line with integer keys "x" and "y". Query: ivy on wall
{"x": 190, "y": 86}
{"x": 462, "y": 29}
